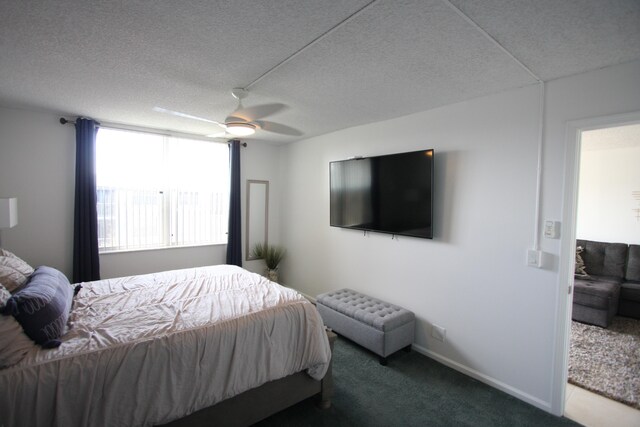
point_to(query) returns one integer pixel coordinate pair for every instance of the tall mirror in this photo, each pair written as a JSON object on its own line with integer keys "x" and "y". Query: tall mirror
{"x": 257, "y": 215}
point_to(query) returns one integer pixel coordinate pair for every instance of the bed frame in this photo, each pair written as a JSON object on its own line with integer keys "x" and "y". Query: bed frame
{"x": 259, "y": 403}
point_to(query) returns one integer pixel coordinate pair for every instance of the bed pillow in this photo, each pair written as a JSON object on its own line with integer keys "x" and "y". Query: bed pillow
{"x": 14, "y": 272}
{"x": 11, "y": 279}
{"x": 4, "y": 252}
{"x": 42, "y": 306}
{"x": 14, "y": 343}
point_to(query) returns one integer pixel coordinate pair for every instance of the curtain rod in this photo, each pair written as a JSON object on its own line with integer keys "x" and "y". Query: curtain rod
{"x": 65, "y": 121}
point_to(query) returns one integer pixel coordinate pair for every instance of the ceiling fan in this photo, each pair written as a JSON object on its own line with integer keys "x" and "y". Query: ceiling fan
{"x": 243, "y": 121}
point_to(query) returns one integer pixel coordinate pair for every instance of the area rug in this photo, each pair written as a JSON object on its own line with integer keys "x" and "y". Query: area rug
{"x": 607, "y": 361}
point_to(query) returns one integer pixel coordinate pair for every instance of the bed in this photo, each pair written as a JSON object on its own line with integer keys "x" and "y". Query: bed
{"x": 212, "y": 345}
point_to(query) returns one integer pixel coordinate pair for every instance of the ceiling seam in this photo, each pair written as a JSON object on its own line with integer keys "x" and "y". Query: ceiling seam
{"x": 492, "y": 39}
{"x": 311, "y": 43}
{"x": 541, "y": 121}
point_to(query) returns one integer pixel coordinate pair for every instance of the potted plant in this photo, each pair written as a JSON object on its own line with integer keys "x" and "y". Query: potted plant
{"x": 272, "y": 255}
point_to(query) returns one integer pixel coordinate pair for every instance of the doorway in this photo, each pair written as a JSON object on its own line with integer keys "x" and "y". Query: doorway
{"x": 591, "y": 146}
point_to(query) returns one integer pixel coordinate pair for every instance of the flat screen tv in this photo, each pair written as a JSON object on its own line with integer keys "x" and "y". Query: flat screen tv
{"x": 387, "y": 194}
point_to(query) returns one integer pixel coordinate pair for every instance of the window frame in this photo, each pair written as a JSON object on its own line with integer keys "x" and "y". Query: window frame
{"x": 166, "y": 202}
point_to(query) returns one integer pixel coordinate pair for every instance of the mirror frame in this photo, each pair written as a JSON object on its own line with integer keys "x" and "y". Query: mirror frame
{"x": 248, "y": 245}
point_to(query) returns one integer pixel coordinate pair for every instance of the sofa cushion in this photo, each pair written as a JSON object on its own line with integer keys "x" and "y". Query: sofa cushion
{"x": 630, "y": 291}
{"x": 629, "y": 304}
{"x": 633, "y": 263}
{"x": 604, "y": 259}
{"x": 594, "y": 293}
{"x": 604, "y": 279}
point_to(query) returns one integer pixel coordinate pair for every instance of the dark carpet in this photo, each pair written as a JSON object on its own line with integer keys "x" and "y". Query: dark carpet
{"x": 412, "y": 390}
{"x": 607, "y": 361}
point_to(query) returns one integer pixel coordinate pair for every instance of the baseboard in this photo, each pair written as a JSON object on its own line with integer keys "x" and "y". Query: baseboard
{"x": 532, "y": 400}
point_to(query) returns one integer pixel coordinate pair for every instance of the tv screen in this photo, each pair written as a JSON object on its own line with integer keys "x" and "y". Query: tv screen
{"x": 388, "y": 194}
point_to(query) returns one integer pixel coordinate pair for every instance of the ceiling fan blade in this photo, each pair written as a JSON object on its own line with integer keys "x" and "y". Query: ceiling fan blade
{"x": 186, "y": 116}
{"x": 258, "y": 111}
{"x": 278, "y": 128}
{"x": 236, "y": 119}
{"x": 217, "y": 135}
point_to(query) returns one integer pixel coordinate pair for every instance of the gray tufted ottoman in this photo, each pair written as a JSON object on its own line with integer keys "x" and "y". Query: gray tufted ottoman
{"x": 377, "y": 325}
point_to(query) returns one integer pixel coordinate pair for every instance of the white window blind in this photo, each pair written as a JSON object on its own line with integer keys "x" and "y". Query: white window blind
{"x": 158, "y": 191}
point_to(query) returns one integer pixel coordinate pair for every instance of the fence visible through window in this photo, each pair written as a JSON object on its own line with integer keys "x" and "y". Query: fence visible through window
{"x": 157, "y": 191}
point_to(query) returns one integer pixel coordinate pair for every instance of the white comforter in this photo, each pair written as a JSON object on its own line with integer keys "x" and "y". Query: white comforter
{"x": 148, "y": 349}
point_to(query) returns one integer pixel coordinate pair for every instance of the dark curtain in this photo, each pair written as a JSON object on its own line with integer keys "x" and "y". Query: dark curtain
{"x": 86, "y": 264}
{"x": 234, "y": 242}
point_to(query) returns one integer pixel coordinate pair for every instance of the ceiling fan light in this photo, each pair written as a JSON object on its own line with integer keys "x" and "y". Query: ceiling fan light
{"x": 241, "y": 129}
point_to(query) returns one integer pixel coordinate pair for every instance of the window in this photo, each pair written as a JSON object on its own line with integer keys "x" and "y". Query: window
{"x": 157, "y": 191}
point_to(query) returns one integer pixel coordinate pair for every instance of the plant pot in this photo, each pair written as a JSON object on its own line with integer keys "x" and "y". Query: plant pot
{"x": 271, "y": 274}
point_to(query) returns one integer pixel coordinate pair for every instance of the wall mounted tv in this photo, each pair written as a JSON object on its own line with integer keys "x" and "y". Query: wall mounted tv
{"x": 387, "y": 194}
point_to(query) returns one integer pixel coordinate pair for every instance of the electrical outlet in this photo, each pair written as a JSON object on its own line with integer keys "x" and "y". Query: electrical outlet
{"x": 438, "y": 332}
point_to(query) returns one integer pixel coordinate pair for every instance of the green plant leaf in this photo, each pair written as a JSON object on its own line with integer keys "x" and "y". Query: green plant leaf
{"x": 272, "y": 255}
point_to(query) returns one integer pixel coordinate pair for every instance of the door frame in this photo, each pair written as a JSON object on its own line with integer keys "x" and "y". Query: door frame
{"x": 573, "y": 145}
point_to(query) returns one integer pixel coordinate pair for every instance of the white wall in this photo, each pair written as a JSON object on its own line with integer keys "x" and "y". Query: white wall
{"x": 602, "y": 98}
{"x": 37, "y": 165}
{"x": 261, "y": 161}
{"x": 607, "y": 210}
{"x": 471, "y": 278}
{"x": 505, "y": 322}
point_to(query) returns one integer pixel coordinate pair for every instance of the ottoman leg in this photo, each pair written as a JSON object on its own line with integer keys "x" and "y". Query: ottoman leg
{"x": 383, "y": 361}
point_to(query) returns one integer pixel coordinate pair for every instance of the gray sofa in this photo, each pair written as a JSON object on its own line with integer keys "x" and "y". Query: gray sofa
{"x": 611, "y": 284}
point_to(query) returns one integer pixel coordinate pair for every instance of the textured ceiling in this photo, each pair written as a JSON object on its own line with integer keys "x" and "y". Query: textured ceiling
{"x": 333, "y": 64}
{"x": 611, "y": 138}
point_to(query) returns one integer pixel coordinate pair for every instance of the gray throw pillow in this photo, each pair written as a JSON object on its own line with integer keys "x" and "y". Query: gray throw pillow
{"x": 42, "y": 306}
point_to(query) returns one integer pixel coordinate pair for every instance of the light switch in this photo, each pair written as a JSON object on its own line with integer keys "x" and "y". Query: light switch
{"x": 552, "y": 229}
{"x": 534, "y": 258}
